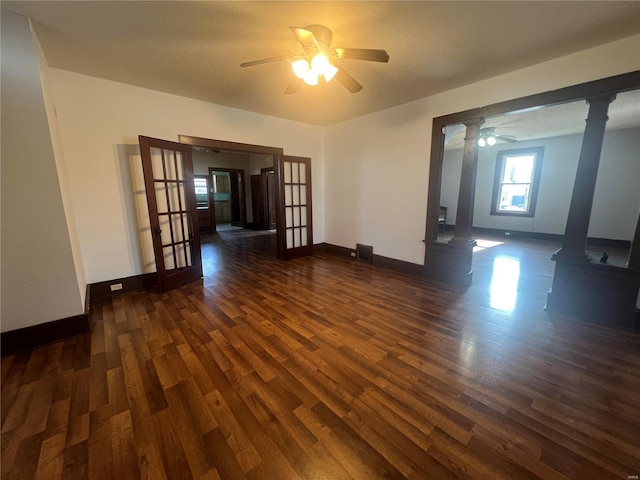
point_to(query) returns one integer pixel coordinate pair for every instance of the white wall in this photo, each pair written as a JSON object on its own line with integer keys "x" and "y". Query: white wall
{"x": 616, "y": 200}
{"x": 377, "y": 165}
{"x": 39, "y": 282}
{"x": 99, "y": 124}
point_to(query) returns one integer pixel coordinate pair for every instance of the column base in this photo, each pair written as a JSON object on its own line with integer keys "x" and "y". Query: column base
{"x": 449, "y": 263}
{"x": 595, "y": 292}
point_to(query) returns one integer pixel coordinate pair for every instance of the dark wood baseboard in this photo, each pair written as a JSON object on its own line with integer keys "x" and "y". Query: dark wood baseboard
{"x": 34, "y": 336}
{"x": 549, "y": 237}
{"x": 381, "y": 261}
{"x": 332, "y": 249}
{"x": 135, "y": 282}
{"x": 49, "y": 332}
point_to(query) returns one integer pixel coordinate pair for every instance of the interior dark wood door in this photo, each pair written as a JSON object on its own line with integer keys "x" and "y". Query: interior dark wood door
{"x": 271, "y": 200}
{"x": 257, "y": 206}
{"x": 294, "y": 220}
{"x": 237, "y": 194}
{"x": 168, "y": 178}
{"x": 268, "y": 198}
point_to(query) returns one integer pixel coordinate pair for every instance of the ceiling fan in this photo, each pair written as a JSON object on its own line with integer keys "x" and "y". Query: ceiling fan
{"x": 316, "y": 61}
{"x": 489, "y": 137}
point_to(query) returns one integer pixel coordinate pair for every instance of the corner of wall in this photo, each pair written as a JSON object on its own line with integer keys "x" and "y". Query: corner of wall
{"x": 58, "y": 152}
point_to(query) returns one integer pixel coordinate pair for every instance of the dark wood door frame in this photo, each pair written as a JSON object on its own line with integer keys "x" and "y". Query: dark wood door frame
{"x": 441, "y": 259}
{"x": 229, "y": 146}
{"x": 269, "y": 198}
{"x": 619, "y": 83}
{"x": 241, "y": 194}
{"x": 232, "y": 147}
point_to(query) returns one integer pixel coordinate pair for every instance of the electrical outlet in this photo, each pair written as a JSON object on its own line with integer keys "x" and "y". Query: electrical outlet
{"x": 115, "y": 287}
{"x": 353, "y": 254}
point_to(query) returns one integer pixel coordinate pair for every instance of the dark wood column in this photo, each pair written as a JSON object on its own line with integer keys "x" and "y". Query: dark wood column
{"x": 463, "y": 234}
{"x": 574, "y": 244}
{"x": 451, "y": 262}
{"x": 582, "y": 287}
{"x": 634, "y": 254}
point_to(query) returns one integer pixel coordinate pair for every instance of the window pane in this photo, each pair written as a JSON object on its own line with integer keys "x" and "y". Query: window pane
{"x": 287, "y": 172}
{"x": 518, "y": 169}
{"x": 296, "y": 237}
{"x": 170, "y": 166}
{"x": 200, "y": 184}
{"x": 303, "y": 173}
{"x": 289, "y": 238}
{"x": 296, "y": 194}
{"x": 514, "y": 198}
{"x": 288, "y": 195}
{"x": 288, "y": 214}
{"x": 296, "y": 216}
{"x": 516, "y": 181}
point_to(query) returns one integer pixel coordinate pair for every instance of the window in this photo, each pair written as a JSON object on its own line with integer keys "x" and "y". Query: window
{"x": 515, "y": 188}
{"x": 202, "y": 197}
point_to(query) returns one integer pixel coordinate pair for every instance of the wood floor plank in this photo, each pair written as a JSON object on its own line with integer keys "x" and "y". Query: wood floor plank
{"x": 324, "y": 367}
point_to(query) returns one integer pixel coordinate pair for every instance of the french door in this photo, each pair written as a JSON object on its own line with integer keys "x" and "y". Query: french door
{"x": 168, "y": 178}
{"x": 294, "y": 219}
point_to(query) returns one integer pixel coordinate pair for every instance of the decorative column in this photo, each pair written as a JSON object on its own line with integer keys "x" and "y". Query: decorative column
{"x": 574, "y": 244}
{"x": 463, "y": 234}
{"x": 633, "y": 261}
{"x": 582, "y": 288}
{"x": 451, "y": 262}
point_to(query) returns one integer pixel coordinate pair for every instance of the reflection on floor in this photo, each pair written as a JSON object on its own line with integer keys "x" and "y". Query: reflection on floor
{"x": 225, "y": 227}
{"x": 511, "y": 275}
{"x": 517, "y": 273}
{"x": 222, "y": 251}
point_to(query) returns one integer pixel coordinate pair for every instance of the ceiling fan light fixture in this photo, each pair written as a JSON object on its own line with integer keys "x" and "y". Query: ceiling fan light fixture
{"x": 482, "y": 142}
{"x": 321, "y": 66}
{"x": 491, "y": 141}
{"x": 330, "y": 72}
{"x": 310, "y": 77}
{"x": 300, "y": 68}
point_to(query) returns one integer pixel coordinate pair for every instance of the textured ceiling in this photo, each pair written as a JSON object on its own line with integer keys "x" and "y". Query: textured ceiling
{"x": 557, "y": 120}
{"x": 194, "y": 49}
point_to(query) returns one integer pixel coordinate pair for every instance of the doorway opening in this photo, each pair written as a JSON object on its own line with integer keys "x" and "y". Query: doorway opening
{"x": 275, "y": 189}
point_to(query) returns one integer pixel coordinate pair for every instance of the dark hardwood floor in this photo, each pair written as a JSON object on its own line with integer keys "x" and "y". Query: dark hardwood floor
{"x": 328, "y": 368}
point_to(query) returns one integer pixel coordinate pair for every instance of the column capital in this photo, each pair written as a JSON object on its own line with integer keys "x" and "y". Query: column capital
{"x": 601, "y": 98}
{"x": 474, "y": 122}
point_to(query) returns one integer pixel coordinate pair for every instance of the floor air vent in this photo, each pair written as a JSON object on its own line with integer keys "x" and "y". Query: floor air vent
{"x": 364, "y": 253}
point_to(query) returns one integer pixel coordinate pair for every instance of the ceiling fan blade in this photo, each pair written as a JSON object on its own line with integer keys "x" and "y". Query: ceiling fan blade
{"x": 348, "y": 81}
{"x": 305, "y": 37}
{"x": 367, "y": 54}
{"x": 506, "y": 138}
{"x": 293, "y": 87}
{"x": 267, "y": 60}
